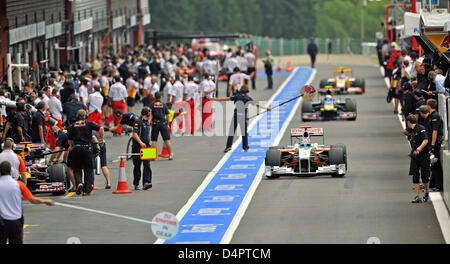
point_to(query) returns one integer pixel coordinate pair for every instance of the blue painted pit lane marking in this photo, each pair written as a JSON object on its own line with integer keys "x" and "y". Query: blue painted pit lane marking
{"x": 206, "y": 221}
{"x": 263, "y": 74}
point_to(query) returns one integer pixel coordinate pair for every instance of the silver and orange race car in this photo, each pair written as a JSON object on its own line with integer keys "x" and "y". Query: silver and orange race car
{"x": 343, "y": 82}
{"x": 329, "y": 108}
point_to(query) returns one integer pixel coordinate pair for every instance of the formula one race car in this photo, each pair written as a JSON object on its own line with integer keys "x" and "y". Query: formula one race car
{"x": 40, "y": 177}
{"x": 304, "y": 158}
{"x": 329, "y": 108}
{"x": 342, "y": 83}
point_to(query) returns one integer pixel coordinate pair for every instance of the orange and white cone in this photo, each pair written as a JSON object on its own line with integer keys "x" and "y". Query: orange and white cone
{"x": 279, "y": 69}
{"x": 289, "y": 67}
{"x": 165, "y": 153}
{"x": 122, "y": 186}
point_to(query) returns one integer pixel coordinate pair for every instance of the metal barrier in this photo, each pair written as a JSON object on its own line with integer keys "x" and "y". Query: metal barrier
{"x": 445, "y": 162}
{"x": 284, "y": 47}
{"x": 448, "y": 123}
{"x": 443, "y": 110}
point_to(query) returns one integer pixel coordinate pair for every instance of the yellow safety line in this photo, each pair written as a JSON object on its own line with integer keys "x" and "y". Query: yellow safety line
{"x": 69, "y": 194}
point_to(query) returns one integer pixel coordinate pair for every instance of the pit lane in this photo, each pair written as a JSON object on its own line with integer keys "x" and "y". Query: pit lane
{"x": 173, "y": 184}
{"x": 373, "y": 200}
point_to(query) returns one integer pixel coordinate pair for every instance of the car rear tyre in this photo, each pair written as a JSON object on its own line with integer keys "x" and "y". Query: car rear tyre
{"x": 336, "y": 156}
{"x": 363, "y": 85}
{"x": 307, "y": 107}
{"x": 350, "y": 105}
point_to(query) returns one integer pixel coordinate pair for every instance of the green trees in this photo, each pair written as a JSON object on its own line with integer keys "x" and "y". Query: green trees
{"x": 280, "y": 18}
{"x": 342, "y": 18}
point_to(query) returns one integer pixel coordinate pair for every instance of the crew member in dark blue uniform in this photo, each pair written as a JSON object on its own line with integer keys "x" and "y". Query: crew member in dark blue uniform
{"x": 420, "y": 156}
{"x": 241, "y": 101}
{"x": 436, "y": 136}
{"x": 70, "y": 109}
{"x": 420, "y": 100}
{"x": 38, "y": 130}
{"x": 81, "y": 147}
{"x": 141, "y": 139}
{"x": 16, "y": 125}
{"x": 160, "y": 115}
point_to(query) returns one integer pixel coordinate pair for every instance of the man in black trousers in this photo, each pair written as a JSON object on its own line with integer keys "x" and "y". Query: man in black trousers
{"x": 241, "y": 101}
{"x": 313, "y": 50}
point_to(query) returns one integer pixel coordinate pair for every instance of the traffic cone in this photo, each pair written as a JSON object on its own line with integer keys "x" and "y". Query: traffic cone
{"x": 289, "y": 67}
{"x": 122, "y": 186}
{"x": 165, "y": 153}
{"x": 279, "y": 69}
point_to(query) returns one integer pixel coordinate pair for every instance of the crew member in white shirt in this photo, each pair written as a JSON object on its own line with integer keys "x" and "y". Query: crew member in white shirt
{"x": 146, "y": 89}
{"x": 207, "y": 89}
{"x": 153, "y": 89}
{"x": 251, "y": 70}
{"x": 132, "y": 88}
{"x": 230, "y": 64}
{"x": 104, "y": 83}
{"x": 176, "y": 95}
{"x": 236, "y": 81}
{"x": 190, "y": 91}
{"x": 243, "y": 64}
{"x": 118, "y": 94}
{"x": 83, "y": 91}
{"x": 95, "y": 103}
{"x": 167, "y": 88}
{"x": 46, "y": 96}
{"x": 56, "y": 111}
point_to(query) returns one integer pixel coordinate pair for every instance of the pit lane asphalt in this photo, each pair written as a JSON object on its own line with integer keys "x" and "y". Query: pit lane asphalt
{"x": 373, "y": 200}
{"x": 173, "y": 184}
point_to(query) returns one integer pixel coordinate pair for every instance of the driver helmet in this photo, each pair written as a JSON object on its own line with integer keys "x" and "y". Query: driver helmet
{"x": 328, "y": 96}
{"x": 305, "y": 143}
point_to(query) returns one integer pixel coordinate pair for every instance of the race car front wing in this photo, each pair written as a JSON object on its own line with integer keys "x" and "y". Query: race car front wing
{"x": 47, "y": 187}
{"x": 335, "y": 90}
{"x": 340, "y": 116}
{"x": 339, "y": 169}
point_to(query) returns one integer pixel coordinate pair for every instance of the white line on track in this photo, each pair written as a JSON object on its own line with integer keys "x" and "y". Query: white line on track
{"x": 212, "y": 173}
{"x": 104, "y": 213}
{"x": 436, "y": 198}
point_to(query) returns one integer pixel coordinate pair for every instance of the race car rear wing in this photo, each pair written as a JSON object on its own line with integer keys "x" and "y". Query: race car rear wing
{"x": 344, "y": 70}
{"x": 307, "y": 132}
{"x": 24, "y": 148}
{"x": 30, "y": 146}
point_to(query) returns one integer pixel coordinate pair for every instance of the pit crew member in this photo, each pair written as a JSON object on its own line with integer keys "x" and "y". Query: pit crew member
{"x": 141, "y": 139}
{"x": 80, "y": 143}
{"x": 241, "y": 101}
{"x": 420, "y": 157}
{"x": 160, "y": 116}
